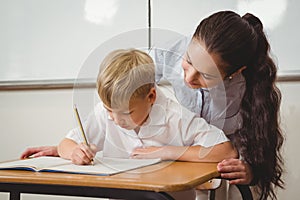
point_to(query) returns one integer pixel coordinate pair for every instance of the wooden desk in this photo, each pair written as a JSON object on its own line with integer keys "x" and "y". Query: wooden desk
{"x": 153, "y": 180}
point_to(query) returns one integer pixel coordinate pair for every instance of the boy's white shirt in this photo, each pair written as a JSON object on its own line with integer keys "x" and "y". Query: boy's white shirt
{"x": 168, "y": 123}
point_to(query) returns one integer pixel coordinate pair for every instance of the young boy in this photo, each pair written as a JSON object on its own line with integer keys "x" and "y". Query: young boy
{"x": 136, "y": 120}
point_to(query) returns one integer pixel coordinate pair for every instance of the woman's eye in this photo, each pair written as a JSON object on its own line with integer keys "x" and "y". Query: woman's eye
{"x": 186, "y": 59}
{"x": 127, "y": 113}
{"x": 206, "y": 76}
{"x": 189, "y": 62}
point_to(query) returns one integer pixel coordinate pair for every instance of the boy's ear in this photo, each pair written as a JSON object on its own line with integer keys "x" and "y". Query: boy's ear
{"x": 152, "y": 95}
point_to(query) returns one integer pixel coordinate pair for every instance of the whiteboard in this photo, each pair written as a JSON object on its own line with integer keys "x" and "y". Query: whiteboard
{"x": 280, "y": 19}
{"x": 51, "y": 39}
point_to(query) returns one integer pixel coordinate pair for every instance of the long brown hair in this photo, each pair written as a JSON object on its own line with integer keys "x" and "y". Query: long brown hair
{"x": 240, "y": 41}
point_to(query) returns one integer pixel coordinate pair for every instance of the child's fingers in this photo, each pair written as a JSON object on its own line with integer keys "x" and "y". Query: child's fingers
{"x": 147, "y": 152}
{"x": 141, "y": 156}
{"x": 88, "y": 150}
{"x": 39, "y": 154}
{"x": 30, "y": 152}
{"x": 80, "y": 160}
{"x": 140, "y": 150}
{"x": 79, "y": 157}
{"x": 93, "y": 148}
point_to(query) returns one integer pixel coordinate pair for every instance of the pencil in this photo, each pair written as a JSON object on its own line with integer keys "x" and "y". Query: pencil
{"x": 81, "y": 128}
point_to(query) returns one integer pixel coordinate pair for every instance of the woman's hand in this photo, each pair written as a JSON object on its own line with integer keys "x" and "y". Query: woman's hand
{"x": 39, "y": 151}
{"x": 236, "y": 171}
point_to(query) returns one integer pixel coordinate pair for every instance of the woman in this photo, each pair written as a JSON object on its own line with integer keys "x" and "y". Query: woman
{"x": 240, "y": 45}
{"x": 238, "y": 51}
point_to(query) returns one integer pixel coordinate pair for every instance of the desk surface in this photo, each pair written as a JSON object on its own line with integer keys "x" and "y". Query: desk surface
{"x": 162, "y": 177}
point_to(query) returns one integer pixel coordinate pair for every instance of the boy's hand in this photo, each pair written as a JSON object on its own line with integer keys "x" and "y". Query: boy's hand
{"x": 83, "y": 154}
{"x": 149, "y": 152}
{"x": 39, "y": 151}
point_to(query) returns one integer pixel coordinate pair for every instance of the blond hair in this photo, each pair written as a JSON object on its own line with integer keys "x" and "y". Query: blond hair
{"x": 125, "y": 74}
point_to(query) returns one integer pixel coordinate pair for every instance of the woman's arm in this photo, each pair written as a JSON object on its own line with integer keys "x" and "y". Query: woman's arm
{"x": 215, "y": 153}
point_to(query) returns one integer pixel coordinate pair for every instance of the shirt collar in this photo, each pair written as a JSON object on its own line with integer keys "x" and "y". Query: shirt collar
{"x": 156, "y": 120}
{"x": 227, "y": 96}
{"x": 158, "y": 113}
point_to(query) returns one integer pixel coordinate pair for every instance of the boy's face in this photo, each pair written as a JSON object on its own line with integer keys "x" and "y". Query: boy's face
{"x": 137, "y": 113}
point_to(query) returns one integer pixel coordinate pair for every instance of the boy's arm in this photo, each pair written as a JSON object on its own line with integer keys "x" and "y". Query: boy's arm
{"x": 215, "y": 153}
{"x": 66, "y": 148}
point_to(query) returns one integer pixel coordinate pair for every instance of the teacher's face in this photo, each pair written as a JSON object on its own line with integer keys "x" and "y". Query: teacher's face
{"x": 200, "y": 70}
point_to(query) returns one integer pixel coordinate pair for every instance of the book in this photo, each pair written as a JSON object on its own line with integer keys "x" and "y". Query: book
{"x": 103, "y": 166}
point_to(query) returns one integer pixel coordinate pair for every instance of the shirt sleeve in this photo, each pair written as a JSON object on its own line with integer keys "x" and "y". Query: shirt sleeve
{"x": 222, "y": 107}
{"x": 167, "y": 57}
{"x": 168, "y": 69}
{"x": 94, "y": 127}
{"x": 197, "y": 131}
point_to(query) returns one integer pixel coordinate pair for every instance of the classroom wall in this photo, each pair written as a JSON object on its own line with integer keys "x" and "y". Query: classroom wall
{"x": 34, "y": 118}
{"x": 40, "y": 36}
{"x": 290, "y": 115}
{"x": 43, "y": 117}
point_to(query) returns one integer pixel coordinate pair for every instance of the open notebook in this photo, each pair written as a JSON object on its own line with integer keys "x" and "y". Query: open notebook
{"x": 103, "y": 166}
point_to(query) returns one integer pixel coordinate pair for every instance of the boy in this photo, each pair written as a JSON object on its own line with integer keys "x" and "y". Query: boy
{"x": 136, "y": 120}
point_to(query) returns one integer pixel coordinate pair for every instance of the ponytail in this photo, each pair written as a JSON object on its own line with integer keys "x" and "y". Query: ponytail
{"x": 260, "y": 137}
{"x": 240, "y": 41}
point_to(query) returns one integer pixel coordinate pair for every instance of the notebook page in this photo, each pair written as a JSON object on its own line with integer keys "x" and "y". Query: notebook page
{"x": 35, "y": 164}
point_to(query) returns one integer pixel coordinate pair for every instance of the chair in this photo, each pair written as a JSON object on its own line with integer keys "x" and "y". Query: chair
{"x": 214, "y": 184}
